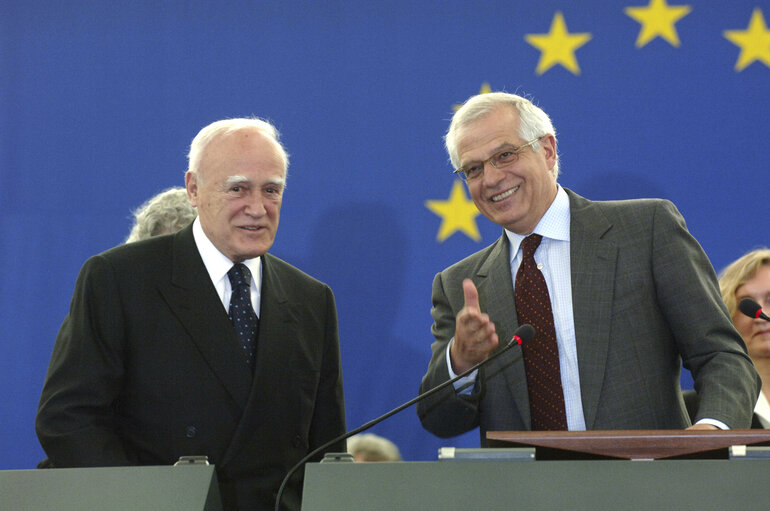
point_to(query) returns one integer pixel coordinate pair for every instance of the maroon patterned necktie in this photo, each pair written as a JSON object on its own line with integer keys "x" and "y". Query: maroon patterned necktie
{"x": 541, "y": 355}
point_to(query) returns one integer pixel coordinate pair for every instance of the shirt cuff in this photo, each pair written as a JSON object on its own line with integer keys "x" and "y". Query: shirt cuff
{"x": 714, "y": 422}
{"x": 464, "y": 385}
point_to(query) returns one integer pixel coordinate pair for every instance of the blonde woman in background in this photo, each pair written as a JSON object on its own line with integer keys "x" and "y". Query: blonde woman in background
{"x": 749, "y": 277}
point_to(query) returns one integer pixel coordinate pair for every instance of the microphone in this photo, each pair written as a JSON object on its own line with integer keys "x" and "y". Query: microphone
{"x": 752, "y": 309}
{"x": 523, "y": 334}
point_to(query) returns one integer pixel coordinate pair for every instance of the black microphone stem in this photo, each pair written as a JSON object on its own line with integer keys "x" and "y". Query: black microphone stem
{"x": 396, "y": 410}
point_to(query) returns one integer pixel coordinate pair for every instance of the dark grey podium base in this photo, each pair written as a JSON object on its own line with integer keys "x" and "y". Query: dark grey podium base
{"x": 189, "y": 488}
{"x": 537, "y": 485}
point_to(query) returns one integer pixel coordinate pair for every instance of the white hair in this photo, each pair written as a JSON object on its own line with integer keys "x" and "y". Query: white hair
{"x": 215, "y": 129}
{"x": 533, "y": 122}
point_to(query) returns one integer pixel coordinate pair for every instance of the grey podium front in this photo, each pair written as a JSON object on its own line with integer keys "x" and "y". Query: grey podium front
{"x": 189, "y": 488}
{"x": 535, "y": 485}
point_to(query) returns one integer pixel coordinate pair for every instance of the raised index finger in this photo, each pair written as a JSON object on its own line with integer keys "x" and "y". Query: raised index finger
{"x": 471, "y": 295}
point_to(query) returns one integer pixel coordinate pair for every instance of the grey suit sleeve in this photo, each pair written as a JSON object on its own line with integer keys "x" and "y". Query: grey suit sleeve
{"x": 711, "y": 348}
{"x": 75, "y": 421}
{"x": 446, "y": 413}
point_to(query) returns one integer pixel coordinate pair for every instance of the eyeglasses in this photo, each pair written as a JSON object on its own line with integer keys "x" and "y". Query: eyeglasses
{"x": 500, "y": 160}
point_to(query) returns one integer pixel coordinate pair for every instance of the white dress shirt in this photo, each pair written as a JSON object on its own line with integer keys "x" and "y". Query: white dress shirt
{"x": 763, "y": 410}
{"x": 217, "y": 264}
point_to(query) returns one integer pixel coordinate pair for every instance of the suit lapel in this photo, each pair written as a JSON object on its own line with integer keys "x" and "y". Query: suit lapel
{"x": 274, "y": 315}
{"x": 275, "y": 324}
{"x": 496, "y": 298}
{"x": 192, "y": 297}
{"x": 593, "y": 261}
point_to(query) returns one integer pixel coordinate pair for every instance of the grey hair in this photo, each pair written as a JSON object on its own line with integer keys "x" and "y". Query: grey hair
{"x": 533, "y": 122}
{"x": 373, "y": 448}
{"x": 215, "y": 129}
{"x": 165, "y": 213}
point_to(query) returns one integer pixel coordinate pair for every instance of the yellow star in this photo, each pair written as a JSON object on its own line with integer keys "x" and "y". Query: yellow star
{"x": 658, "y": 19}
{"x": 754, "y": 41}
{"x": 485, "y": 89}
{"x": 557, "y": 46}
{"x": 457, "y": 214}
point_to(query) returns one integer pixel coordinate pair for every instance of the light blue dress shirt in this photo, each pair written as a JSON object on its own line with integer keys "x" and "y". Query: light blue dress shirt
{"x": 553, "y": 259}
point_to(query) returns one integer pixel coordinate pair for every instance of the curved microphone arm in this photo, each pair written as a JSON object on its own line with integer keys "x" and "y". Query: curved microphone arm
{"x": 523, "y": 334}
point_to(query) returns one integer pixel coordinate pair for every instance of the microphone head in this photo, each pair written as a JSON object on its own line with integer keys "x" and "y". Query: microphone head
{"x": 750, "y": 308}
{"x": 523, "y": 334}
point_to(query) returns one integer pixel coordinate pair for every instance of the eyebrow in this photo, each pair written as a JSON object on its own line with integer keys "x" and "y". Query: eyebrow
{"x": 234, "y": 180}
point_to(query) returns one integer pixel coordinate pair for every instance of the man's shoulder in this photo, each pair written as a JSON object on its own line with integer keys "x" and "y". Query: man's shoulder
{"x": 137, "y": 252}
{"x": 620, "y": 215}
{"x": 139, "y": 261}
{"x": 288, "y": 272}
{"x": 618, "y": 206}
{"x": 580, "y": 202}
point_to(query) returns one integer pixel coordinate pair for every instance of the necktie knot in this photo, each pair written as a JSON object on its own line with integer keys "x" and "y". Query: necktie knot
{"x": 530, "y": 244}
{"x": 239, "y": 275}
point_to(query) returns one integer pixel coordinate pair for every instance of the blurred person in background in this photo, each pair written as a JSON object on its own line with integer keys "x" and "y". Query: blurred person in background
{"x": 165, "y": 213}
{"x": 371, "y": 447}
{"x": 749, "y": 277}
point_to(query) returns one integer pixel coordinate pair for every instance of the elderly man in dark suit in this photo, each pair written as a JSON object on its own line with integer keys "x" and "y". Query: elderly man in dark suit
{"x": 149, "y": 366}
{"x": 619, "y": 292}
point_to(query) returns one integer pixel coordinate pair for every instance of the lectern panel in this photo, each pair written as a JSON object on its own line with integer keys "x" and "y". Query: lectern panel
{"x": 189, "y": 488}
{"x": 539, "y": 485}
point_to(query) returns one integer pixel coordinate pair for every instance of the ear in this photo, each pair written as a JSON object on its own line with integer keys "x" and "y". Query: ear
{"x": 191, "y": 183}
{"x": 548, "y": 143}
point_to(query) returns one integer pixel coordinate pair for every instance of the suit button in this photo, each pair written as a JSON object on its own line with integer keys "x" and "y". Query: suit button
{"x": 190, "y": 431}
{"x": 297, "y": 441}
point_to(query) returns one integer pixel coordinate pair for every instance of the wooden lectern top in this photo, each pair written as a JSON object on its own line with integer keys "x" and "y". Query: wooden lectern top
{"x": 629, "y": 444}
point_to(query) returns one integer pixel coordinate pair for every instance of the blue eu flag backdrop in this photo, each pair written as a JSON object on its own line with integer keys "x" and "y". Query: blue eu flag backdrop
{"x": 99, "y": 101}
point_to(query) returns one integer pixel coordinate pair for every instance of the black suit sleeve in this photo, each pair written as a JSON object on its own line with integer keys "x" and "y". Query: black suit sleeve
{"x": 329, "y": 415}
{"x": 75, "y": 421}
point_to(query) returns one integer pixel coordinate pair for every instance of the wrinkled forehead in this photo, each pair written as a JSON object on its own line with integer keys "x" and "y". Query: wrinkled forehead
{"x": 494, "y": 129}
{"x": 231, "y": 151}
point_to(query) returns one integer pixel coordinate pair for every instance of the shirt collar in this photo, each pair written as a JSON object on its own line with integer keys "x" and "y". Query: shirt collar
{"x": 554, "y": 224}
{"x": 217, "y": 264}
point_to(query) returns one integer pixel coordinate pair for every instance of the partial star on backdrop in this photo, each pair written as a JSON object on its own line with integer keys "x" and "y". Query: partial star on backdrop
{"x": 658, "y": 20}
{"x": 458, "y": 213}
{"x": 754, "y": 41}
{"x": 558, "y": 46}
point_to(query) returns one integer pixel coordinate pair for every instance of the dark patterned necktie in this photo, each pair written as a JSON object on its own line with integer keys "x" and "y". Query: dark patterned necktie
{"x": 241, "y": 313}
{"x": 541, "y": 355}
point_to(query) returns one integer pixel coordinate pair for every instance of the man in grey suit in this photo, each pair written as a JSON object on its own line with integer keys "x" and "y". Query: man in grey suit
{"x": 148, "y": 367}
{"x": 633, "y": 296}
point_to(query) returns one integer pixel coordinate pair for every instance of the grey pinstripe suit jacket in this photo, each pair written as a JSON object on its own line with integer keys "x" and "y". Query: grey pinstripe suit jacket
{"x": 645, "y": 299}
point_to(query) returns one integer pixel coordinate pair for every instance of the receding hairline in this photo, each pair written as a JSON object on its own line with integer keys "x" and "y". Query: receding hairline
{"x": 225, "y": 127}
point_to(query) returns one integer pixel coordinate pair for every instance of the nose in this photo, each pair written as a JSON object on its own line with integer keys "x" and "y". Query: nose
{"x": 491, "y": 175}
{"x": 255, "y": 206}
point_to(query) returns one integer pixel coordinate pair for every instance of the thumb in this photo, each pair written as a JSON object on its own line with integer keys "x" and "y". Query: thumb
{"x": 471, "y": 295}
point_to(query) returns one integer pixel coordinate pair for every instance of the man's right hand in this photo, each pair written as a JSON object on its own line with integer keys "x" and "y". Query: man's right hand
{"x": 475, "y": 336}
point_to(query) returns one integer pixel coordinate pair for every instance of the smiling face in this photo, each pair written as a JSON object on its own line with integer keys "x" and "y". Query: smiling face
{"x": 238, "y": 192}
{"x": 755, "y": 332}
{"x": 518, "y": 196}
